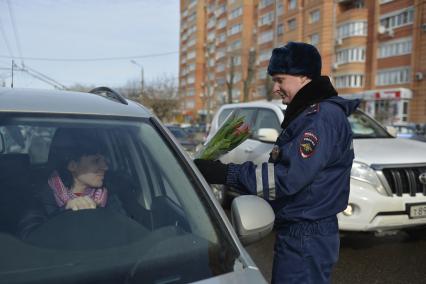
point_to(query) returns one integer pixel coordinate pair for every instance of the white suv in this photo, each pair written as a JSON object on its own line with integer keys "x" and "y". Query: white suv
{"x": 388, "y": 178}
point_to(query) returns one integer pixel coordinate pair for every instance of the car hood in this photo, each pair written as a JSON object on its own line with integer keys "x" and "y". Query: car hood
{"x": 389, "y": 151}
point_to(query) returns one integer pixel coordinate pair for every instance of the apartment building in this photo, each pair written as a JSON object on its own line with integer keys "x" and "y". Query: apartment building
{"x": 372, "y": 50}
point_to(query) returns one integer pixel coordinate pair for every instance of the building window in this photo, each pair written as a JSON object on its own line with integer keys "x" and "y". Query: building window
{"x": 385, "y": 1}
{"x": 221, "y": 24}
{"x": 236, "y": 13}
{"x": 190, "y": 55}
{"x": 261, "y": 75}
{"x": 191, "y": 43}
{"x": 398, "y": 18}
{"x": 265, "y": 37}
{"x": 191, "y": 17}
{"x": 395, "y": 48}
{"x": 191, "y": 30}
{"x": 220, "y": 53}
{"x": 236, "y": 60}
{"x": 220, "y": 10}
{"x": 210, "y": 8}
{"x": 190, "y": 80}
{"x": 220, "y": 81}
{"x": 291, "y": 24}
{"x": 280, "y": 9}
{"x": 280, "y": 29}
{"x": 314, "y": 16}
{"x": 190, "y": 92}
{"x": 210, "y": 76}
{"x": 314, "y": 39}
{"x": 264, "y": 3}
{"x": 292, "y": 4}
{"x": 236, "y": 93}
{"x": 191, "y": 67}
{"x": 393, "y": 76}
{"x": 261, "y": 91}
{"x": 234, "y": 45}
{"x": 349, "y": 81}
{"x": 234, "y": 29}
{"x": 221, "y": 38}
{"x": 211, "y": 23}
{"x": 220, "y": 67}
{"x": 356, "y": 28}
{"x": 359, "y": 4}
{"x": 211, "y": 35}
{"x": 236, "y": 77}
{"x": 189, "y": 104}
{"x": 264, "y": 55}
{"x": 266, "y": 19}
{"x": 355, "y": 54}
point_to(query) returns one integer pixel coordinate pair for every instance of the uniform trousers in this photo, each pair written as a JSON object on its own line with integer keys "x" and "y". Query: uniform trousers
{"x": 305, "y": 252}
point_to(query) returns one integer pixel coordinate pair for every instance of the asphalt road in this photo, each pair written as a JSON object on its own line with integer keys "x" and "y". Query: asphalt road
{"x": 365, "y": 258}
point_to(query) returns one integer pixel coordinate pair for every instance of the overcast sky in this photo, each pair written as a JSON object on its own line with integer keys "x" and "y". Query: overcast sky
{"x": 89, "y": 29}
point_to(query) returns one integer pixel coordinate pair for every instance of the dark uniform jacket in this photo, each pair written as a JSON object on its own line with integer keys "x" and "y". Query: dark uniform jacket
{"x": 310, "y": 178}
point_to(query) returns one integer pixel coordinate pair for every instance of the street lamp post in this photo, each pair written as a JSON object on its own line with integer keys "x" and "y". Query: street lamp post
{"x": 142, "y": 79}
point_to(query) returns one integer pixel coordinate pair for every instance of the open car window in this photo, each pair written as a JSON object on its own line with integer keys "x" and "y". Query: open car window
{"x": 156, "y": 226}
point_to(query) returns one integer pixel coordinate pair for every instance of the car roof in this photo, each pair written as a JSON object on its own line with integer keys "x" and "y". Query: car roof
{"x": 67, "y": 102}
{"x": 258, "y": 103}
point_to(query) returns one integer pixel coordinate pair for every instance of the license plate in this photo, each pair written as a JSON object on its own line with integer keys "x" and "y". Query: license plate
{"x": 418, "y": 211}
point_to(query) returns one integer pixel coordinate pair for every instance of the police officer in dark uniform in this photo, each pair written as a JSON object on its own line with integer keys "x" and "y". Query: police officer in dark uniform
{"x": 306, "y": 179}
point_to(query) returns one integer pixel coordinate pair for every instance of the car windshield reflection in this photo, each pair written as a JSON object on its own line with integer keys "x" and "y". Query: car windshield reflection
{"x": 365, "y": 127}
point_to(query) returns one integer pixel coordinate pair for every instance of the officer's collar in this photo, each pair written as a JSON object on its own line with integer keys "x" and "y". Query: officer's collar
{"x": 315, "y": 91}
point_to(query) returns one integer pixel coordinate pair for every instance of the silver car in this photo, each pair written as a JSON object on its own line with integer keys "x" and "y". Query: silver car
{"x": 160, "y": 223}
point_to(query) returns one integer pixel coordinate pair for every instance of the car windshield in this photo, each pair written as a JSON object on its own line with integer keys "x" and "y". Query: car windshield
{"x": 365, "y": 127}
{"x": 153, "y": 222}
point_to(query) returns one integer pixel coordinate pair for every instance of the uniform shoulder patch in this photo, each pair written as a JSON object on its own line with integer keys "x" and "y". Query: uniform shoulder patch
{"x": 308, "y": 144}
{"x": 313, "y": 108}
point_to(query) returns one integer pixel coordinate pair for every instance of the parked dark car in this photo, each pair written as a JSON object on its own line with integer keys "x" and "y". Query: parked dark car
{"x": 188, "y": 142}
{"x": 411, "y": 131}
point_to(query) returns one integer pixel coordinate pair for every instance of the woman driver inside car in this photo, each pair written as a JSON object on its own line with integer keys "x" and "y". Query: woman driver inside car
{"x": 76, "y": 181}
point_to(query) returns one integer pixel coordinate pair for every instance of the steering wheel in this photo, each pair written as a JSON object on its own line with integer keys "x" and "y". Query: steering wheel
{"x": 86, "y": 229}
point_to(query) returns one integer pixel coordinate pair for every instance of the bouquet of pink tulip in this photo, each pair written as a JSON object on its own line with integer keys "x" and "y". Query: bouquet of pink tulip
{"x": 232, "y": 133}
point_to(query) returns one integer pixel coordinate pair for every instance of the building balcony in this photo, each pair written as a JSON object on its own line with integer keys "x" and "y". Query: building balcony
{"x": 352, "y": 14}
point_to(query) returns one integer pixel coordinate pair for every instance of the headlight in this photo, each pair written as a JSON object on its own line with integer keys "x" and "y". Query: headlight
{"x": 364, "y": 173}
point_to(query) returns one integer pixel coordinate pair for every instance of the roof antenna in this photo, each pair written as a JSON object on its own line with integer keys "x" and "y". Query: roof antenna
{"x": 13, "y": 64}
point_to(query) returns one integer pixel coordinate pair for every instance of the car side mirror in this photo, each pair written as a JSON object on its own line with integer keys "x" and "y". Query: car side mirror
{"x": 251, "y": 225}
{"x": 392, "y": 130}
{"x": 269, "y": 135}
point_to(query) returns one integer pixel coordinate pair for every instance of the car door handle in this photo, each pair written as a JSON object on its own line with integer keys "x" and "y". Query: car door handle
{"x": 248, "y": 150}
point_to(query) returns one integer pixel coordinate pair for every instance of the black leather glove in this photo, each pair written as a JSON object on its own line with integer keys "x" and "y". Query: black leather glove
{"x": 213, "y": 171}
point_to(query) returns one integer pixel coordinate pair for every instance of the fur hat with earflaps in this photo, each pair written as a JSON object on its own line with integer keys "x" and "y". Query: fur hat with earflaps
{"x": 295, "y": 58}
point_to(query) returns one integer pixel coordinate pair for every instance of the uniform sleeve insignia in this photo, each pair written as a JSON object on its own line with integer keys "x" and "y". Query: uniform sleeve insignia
{"x": 307, "y": 144}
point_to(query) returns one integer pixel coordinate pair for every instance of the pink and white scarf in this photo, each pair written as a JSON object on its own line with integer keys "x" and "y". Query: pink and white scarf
{"x": 63, "y": 194}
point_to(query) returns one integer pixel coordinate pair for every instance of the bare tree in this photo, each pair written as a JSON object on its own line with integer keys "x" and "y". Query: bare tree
{"x": 250, "y": 74}
{"x": 230, "y": 78}
{"x": 131, "y": 90}
{"x": 268, "y": 88}
{"x": 161, "y": 97}
{"x": 80, "y": 88}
